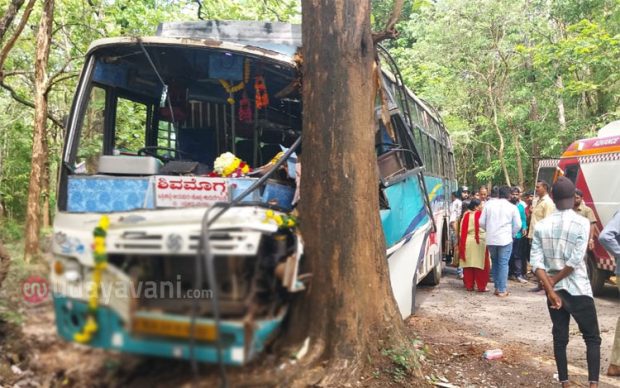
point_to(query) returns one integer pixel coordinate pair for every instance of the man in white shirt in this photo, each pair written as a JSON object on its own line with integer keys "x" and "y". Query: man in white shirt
{"x": 558, "y": 247}
{"x": 501, "y": 221}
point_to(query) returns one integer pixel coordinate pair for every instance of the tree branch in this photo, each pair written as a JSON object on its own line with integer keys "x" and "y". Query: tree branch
{"x": 18, "y": 30}
{"x": 30, "y": 104}
{"x": 390, "y": 28}
{"x": 9, "y": 15}
{"x": 273, "y": 11}
{"x": 60, "y": 79}
{"x": 484, "y": 143}
{"x": 50, "y": 80}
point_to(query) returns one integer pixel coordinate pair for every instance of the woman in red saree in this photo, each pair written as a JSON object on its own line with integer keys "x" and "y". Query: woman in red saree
{"x": 473, "y": 249}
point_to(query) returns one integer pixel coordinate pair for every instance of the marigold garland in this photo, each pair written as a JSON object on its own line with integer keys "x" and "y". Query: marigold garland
{"x": 100, "y": 255}
{"x": 282, "y": 220}
{"x": 232, "y": 89}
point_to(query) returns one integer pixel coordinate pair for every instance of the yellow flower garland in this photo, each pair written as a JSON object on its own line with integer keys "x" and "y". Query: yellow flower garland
{"x": 101, "y": 261}
{"x": 283, "y": 221}
{"x": 231, "y": 89}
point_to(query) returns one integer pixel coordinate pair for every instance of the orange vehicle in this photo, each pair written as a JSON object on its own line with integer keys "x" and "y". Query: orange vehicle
{"x": 593, "y": 164}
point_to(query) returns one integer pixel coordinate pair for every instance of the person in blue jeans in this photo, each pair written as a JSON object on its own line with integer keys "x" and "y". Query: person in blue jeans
{"x": 501, "y": 221}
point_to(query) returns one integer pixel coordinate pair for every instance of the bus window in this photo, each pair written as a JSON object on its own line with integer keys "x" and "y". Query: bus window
{"x": 571, "y": 172}
{"x": 131, "y": 122}
{"x": 546, "y": 174}
{"x": 431, "y": 156}
{"x": 166, "y": 137}
{"x": 91, "y": 134}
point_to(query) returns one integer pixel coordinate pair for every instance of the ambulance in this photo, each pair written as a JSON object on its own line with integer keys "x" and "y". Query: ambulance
{"x": 593, "y": 164}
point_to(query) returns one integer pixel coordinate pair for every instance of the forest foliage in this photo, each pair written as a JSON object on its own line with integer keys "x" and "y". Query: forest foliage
{"x": 514, "y": 80}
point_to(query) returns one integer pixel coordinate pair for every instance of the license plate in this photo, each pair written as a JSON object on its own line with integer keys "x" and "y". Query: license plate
{"x": 176, "y": 329}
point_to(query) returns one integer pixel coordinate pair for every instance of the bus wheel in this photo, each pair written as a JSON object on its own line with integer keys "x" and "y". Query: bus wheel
{"x": 597, "y": 276}
{"x": 433, "y": 277}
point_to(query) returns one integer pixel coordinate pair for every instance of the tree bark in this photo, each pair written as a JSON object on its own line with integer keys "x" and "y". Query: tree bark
{"x": 559, "y": 84}
{"x": 534, "y": 116}
{"x": 8, "y": 16}
{"x": 45, "y": 186}
{"x": 487, "y": 150}
{"x": 5, "y": 263}
{"x": 44, "y": 36}
{"x": 517, "y": 145}
{"x": 350, "y": 299}
{"x": 500, "y": 136}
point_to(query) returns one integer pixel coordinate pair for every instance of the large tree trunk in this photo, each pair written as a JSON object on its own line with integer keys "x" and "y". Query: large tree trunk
{"x": 39, "y": 156}
{"x": 350, "y": 300}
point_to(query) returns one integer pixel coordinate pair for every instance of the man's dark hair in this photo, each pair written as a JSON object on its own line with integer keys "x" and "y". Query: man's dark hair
{"x": 529, "y": 193}
{"x": 504, "y": 192}
{"x": 473, "y": 204}
{"x": 495, "y": 192}
{"x": 515, "y": 190}
{"x": 544, "y": 184}
{"x": 579, "y": 193}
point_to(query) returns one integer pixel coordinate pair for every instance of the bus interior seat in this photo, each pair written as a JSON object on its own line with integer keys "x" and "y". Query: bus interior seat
{"x": 197, "y": 144}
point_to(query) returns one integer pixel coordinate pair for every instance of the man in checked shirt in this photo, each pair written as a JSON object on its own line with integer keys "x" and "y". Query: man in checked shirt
{"x": 558, "y": 247}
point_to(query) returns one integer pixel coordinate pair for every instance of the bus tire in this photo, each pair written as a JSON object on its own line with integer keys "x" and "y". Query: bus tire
{"x": 433, "y": 277}
{"x": 596, "y": 275}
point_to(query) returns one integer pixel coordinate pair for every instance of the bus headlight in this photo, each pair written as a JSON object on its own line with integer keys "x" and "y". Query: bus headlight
{"x": 69, "y": 269}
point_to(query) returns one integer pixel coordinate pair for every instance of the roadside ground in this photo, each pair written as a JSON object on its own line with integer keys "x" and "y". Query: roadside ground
{"x": 449, "y": 333}
{"x": 468, "y": 323}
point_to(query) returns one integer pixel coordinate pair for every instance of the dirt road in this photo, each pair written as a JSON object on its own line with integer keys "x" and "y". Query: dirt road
{"x": 519, "y": 324}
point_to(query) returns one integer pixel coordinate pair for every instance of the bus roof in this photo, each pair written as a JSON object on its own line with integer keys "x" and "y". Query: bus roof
{"x": 276, "y": 50}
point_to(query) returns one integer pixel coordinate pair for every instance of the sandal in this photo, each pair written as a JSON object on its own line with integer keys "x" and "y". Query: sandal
{"x": 503, "y": 294}
{"x": 485, "y": 290}
{"x": 469, "y": 289}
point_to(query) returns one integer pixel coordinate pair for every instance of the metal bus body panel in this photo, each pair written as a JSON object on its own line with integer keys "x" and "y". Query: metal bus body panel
{"x": 404, "y": 263}
{"x": 114, "y": 335}
{"x": 418, "y": 249}
{"x": 593, "y": 165}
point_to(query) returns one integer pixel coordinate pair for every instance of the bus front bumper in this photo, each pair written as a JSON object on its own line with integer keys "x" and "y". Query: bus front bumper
{"x": 112, "y": 333}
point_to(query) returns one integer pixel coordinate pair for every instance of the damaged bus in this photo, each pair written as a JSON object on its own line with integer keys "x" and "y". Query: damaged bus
{"x": 175, "y": 234}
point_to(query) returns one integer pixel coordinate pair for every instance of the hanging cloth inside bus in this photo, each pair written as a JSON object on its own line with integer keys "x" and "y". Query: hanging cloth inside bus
{"x": 245, "y": 111}
{"x": 262, "y": 98}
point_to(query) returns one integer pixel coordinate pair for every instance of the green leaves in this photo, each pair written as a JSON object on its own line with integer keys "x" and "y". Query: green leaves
{"x": 470, "y": 58}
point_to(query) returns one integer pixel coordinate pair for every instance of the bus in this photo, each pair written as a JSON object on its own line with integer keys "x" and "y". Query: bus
{"x": 165, "y": 241}
{"x": 592, "y": 164}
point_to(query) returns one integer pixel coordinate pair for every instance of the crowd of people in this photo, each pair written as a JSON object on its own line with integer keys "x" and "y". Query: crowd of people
{"x": 533, "y": 236}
